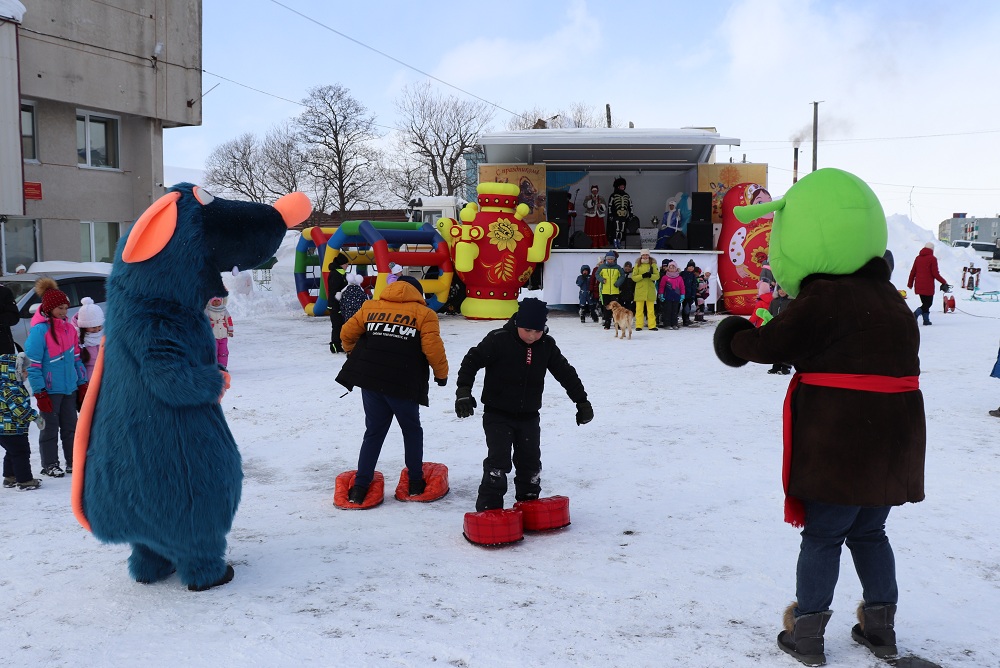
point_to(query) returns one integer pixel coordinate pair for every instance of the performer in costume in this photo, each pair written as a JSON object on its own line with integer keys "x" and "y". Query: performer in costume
{"x": 854, "y": 426}
{"x": 594, "y": 210}
{"x": 156, "y": 464}
{"x": 670, "y": 224}
{"x": 619, "y": 213}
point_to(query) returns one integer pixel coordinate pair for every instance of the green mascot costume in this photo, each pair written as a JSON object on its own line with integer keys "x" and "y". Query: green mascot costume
{"x": 854, "y": 431}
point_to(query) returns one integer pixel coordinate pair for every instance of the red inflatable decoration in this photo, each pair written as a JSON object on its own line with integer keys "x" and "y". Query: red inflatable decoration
{"x": 744, "y": 248}
{"x": 375, "y": 496}
{"x": 436, "y": 477}
{"x": 492, "y": 528}
{"x": 544, "y": 514}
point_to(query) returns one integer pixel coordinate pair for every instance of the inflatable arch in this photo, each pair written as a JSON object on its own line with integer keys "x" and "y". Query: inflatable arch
{"x": 370, "y": 243}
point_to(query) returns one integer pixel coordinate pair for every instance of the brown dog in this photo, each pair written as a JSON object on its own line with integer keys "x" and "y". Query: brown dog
{"x": 623, "y": 318}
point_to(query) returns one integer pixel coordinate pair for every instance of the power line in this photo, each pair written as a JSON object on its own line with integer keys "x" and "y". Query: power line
{"x": 771, "y": 166}
{"x": 867, "y": 139}
{"x": 277, "y": 97}
{"x": 394, "y": 59}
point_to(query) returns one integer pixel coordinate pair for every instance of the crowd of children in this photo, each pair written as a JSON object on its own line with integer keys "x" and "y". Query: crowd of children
{"x": 661, "y": 296}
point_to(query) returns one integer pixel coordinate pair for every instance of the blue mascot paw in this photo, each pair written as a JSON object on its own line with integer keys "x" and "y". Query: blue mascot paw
{"x": 146, "y": 566}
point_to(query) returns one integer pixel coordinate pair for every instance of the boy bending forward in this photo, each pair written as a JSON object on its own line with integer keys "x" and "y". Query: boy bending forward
{"x": 516, "y": 357}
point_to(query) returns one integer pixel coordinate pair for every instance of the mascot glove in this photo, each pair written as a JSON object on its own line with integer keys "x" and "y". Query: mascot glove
{"x": 465, "y": 404}
{"x": 226, "y": 378}
{"x": 648, "y": 274}
{"x": 337, "y": 296}
{"x": 584, "y": 412}
{"x": 764, "y": 315}
{"x": 441, "y": 381}
{"x": 722, "y": 341}
{"x": 44, "y": 403}
{"x": 81, "y": 392}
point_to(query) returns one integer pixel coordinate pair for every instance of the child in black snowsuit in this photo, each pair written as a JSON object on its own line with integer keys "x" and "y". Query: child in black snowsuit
{"x": 588, "y": 305}
{"x": 336, "y": 280}
{"x": 516, "y": 357}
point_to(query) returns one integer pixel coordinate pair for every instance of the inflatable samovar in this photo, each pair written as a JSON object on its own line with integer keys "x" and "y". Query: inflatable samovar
{"x": 494, "y": 250}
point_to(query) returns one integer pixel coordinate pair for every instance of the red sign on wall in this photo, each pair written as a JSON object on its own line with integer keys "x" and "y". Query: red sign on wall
{"x": 32, "y": 190}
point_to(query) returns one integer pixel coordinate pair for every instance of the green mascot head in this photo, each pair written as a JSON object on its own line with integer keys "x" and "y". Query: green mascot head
{"x": 829, "y": 222}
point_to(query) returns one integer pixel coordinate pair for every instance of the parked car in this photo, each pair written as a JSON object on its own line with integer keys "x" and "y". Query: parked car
{"x": 76, "y": 285}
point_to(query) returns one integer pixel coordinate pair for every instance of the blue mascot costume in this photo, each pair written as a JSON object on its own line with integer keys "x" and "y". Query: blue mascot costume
{"x": 158, "y": 466}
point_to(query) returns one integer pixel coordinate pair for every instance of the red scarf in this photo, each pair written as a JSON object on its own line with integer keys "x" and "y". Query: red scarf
{"x": 795, "y": 512}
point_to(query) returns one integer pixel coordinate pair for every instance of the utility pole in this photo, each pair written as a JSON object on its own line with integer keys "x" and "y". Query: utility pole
{"x": 815, "y": 130}
{"x": 607, "y": 109}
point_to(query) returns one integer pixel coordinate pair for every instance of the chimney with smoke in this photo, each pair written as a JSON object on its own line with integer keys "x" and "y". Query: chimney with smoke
{"x": 795, "y": 164}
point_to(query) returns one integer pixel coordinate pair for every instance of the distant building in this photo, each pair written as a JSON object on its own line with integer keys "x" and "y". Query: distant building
{"x": 86, "y": 90}
{"x": 970, "y": 228}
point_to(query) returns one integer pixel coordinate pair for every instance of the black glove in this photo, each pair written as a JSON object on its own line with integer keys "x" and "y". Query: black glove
{"x": 441, "y": 381}
{"x": 464, "y": 403}
{"x": 723, "y": 339}
{"x": 648, "y": 274}
{"x": 945, "y": 287}
{"x": 584, "y": 412}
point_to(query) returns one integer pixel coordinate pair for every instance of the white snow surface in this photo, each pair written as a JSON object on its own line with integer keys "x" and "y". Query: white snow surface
{"x": 677, "y": 554}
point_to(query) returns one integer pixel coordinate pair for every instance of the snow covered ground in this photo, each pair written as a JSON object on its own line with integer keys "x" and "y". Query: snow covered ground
{"x": 677, "y": 555}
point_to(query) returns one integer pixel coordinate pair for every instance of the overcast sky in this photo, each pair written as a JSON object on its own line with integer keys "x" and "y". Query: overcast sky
{"x": 909, "y": 90}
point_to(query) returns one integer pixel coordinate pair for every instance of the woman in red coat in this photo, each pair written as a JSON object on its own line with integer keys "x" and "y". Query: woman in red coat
{"x": 922, "y": 277}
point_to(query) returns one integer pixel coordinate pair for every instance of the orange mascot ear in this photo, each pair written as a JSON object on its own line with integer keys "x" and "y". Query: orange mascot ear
{"x": 153, "y": 230}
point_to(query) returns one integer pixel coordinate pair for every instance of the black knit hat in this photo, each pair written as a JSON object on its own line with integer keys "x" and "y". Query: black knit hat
{"x": 531, "y": 314}
{"x": 411, "y": 281}
{"x": 341, "y": 259}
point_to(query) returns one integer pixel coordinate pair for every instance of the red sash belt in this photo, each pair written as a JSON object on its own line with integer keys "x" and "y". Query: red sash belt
{"x": 795, "y": 513}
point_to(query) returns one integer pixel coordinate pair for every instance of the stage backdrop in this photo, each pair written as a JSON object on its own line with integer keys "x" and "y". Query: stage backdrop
{"x": 529, "y": 178}
{"x": 718, "y": 178}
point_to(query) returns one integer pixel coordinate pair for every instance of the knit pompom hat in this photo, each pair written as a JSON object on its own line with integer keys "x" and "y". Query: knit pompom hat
{"x": 52, "y": 296}
{"x": 90, "y": 314}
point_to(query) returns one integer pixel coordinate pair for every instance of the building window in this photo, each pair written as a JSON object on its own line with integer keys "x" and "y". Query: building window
{"x": 96, "y": 140}
{"x": 98, "y": 241}
{"x": 20, "y": 243}
{"x": 28, "y": 148}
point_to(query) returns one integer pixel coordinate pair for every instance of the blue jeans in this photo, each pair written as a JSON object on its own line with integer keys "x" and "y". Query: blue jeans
{"x": 827, "y": 527}
{"x": 379, "y": 411}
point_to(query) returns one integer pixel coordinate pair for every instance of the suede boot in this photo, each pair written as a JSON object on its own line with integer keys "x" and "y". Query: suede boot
{"x": 803, "y": 636}
{"x": 875, "y": 629}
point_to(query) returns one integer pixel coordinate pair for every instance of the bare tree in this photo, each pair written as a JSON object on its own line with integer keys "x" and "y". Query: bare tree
{"x": 236, "y": 168}
{"x": 402, "y": 176}
{"x": 337, "y": 133}
{"x": 284, "y": 160}
{"x": 438, "y": 131}
{"x": 531, "y": 118}
{"x": 583, "y": 115}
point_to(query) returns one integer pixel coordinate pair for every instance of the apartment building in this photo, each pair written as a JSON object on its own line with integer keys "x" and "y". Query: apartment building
{"x": 86, "y": 89}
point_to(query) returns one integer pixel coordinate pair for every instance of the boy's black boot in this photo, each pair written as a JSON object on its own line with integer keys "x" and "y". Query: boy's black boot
{"x": 357, "y": 494}
{"x": 803, "y": 636}
{"x": 876, "y": 629}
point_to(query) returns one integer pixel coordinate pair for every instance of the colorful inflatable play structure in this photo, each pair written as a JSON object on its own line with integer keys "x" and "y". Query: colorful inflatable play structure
{"x": 375, "y": 243}
{"x": 490, "y": 248}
